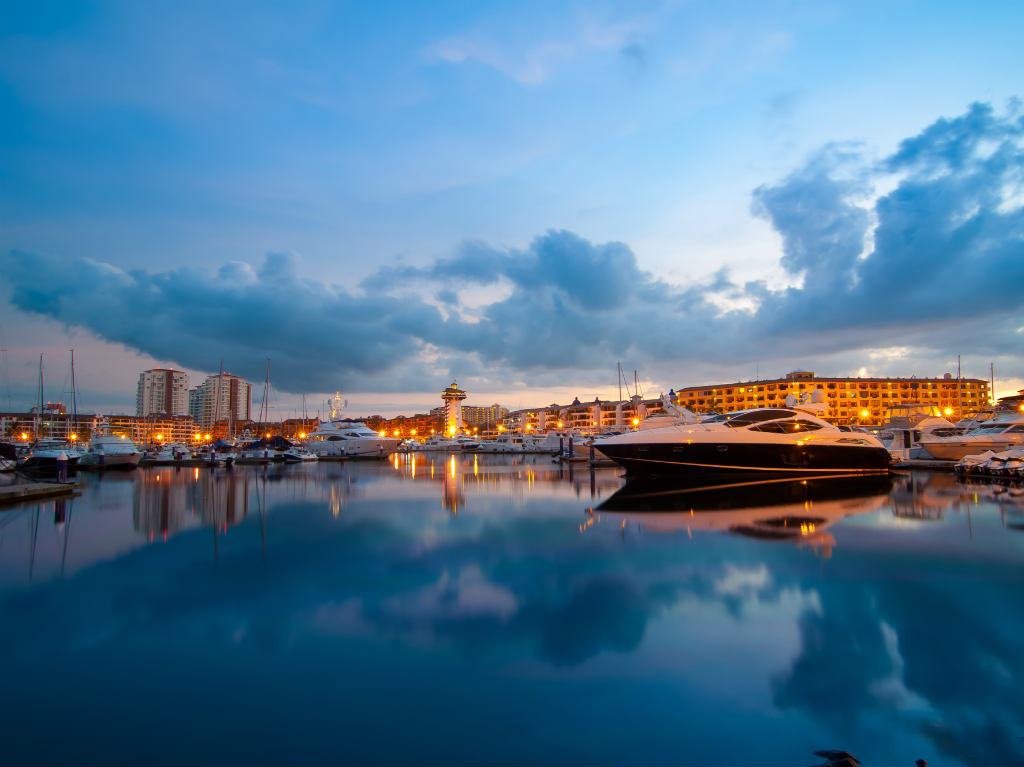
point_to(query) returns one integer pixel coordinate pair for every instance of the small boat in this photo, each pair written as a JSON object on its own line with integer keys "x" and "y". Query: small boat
{"x": 8, "y": 456}
{"x": 168, "y": 453}
{"x": 775, "y": 441}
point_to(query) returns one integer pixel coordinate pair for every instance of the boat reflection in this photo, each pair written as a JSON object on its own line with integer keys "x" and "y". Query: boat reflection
{"x": 779, "y": 510}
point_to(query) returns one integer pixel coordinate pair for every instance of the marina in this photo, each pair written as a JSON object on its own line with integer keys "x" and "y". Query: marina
{"x": 329, "y": 604}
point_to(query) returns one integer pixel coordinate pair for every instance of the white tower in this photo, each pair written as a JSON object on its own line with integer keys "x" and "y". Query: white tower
{"x": 453, "y": 397}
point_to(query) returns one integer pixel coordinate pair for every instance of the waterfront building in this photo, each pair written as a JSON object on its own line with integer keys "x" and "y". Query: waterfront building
{"x": 221, "y": 397}
{"x": 851, "y": 401}
{"x": 27, "y": 427}
{"x": 599, "y": 415}
{"x": 162, "y": 390}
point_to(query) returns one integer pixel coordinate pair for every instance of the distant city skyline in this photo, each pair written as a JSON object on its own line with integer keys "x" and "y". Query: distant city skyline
{"x": 518, "y": 196}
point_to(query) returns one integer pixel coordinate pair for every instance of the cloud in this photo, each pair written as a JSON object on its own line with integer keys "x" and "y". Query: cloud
{"x": 934, "y": 263}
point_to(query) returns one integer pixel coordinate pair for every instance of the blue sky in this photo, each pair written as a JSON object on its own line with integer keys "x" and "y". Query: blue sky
{"x": 382, "y": 197}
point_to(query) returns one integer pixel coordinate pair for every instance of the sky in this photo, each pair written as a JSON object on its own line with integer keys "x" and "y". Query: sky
{"x": 380, "y": 198}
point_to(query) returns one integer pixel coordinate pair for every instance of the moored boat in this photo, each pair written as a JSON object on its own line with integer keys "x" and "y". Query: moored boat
{"x": 761, "y": 441}
{"x": 996, "y": 435}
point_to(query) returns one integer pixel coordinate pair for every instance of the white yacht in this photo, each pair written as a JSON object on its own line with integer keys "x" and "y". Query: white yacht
{"x": 996, "y": 435}
{"x": 906, "y": 424}
{"x": 343, "y": 437}
{"x": 766, "y": 442}
{"x": 107, "y": 451}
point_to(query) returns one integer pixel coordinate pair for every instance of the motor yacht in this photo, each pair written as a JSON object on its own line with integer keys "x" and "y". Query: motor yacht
{"x": 996, "y": 435}
{"x": 906, "y": 424}
{"x": 509, "y": 442}
{"x": 766, "y": 442}
{"x": 108, "y": 451}
{"x": 344, "y": 437}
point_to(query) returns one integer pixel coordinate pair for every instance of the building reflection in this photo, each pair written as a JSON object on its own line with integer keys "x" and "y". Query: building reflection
{"x": 167, "y": 501}
{"x": 797, "y": 511}
{"x": 516, "y": 475}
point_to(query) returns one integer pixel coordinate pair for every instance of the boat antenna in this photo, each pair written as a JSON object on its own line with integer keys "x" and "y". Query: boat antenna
{"x": 992, "y": 385}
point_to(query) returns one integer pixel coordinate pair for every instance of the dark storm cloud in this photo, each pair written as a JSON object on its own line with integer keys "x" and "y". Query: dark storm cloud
{"x": 941, "y": 253}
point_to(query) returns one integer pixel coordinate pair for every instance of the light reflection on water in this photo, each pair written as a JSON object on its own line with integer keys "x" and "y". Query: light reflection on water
{"x": 466, "y": 609}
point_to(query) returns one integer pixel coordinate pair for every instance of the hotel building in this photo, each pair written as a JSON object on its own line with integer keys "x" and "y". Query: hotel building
{"x": 856, "y": 401}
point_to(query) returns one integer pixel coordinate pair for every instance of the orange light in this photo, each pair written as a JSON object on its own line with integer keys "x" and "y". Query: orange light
{"x": 24, "y": 435}
{"x": 159, "y": 437}
{"x": 949, "y": 411}
{"x": 207, "y": 436}
{"x": 501, "y": 428}
{"x": 72, "y": 437}
{"x": 396, "y": 432}
{"x": 413, "y": 432}
{"x": 198, "y": 437}
{"x": 559, "y": 424}
{"x": 636, "y": 421}
{"x": 268, "y": 435}
{"x": 864, "y": 413}
{"x": 383, "y": 434}
{"x": 302, "y": 435}
{"x": 528, "y": 426}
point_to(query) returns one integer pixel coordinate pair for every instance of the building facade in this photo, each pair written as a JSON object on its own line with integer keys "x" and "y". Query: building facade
{"x": 851, "y": 401}
{"x": 162, "y": 391}
{"x": 221, "y": 397}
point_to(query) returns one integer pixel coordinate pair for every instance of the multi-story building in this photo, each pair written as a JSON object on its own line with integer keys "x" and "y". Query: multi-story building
{"x": 162, "y": 391}
{"x": 475, "y": 415}
{"x": 221, "y": 397}
{"x": 598, "y": 415}
{"x": 860, "y": 401}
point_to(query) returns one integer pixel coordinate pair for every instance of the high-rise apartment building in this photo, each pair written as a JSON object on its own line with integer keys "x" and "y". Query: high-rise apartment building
{"x": 162, "y": 392}
{"x": 221, "y": 397}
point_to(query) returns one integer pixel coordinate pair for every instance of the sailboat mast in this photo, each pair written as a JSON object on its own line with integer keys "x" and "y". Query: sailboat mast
{"x": 74, "y": 398}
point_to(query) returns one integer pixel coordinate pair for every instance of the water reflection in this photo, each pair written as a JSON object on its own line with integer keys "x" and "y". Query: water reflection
{"x": 459, "y": 594}
{"x": 459, "y": 474}
{"x": 797, "y": 510}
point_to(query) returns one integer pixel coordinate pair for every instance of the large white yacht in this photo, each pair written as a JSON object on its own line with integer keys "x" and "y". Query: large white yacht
{"x": 344, "y": 437}
{"x": 766, "y": 442}
{"x": 1001, "y": 433}
{"x": 107, "y": 451}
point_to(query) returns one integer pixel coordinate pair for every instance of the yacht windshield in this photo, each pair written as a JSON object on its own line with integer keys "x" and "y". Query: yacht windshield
{"x": 787, "y": 427}
{"x": 997, "y": 428}
{"x": 757, "y": 416}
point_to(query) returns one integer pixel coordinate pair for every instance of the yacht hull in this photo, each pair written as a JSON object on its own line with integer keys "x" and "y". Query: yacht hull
{"x": 954, "y": 450}
{"x": 110, "y": 461}
{"x": 746, "y": 459}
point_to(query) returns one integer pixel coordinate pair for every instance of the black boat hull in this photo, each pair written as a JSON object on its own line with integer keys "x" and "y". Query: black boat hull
{"x": 746, "y": 459}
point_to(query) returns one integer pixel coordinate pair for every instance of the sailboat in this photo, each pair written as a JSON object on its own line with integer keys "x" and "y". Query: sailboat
{"x": 45, "y": 455}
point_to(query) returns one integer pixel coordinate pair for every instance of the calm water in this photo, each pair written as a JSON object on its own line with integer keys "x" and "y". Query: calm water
{"x": 509, "y": 611}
